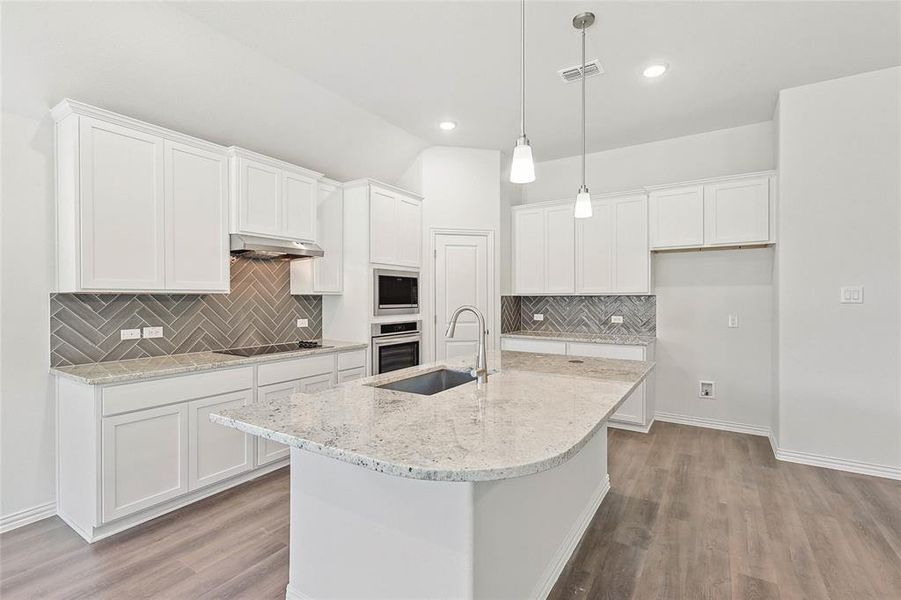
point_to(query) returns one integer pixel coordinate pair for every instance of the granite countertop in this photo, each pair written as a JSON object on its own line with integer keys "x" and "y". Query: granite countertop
{"x": 535, "y": 412}
{"x": 627, "y": 339}
{"x": 120, "y": 371}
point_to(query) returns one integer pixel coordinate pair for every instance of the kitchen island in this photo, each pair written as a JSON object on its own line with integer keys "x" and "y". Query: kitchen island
{"x": 473, "y": 492}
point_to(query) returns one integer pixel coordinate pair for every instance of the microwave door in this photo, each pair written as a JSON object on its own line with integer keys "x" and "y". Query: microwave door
{"x": 396, "y": 292}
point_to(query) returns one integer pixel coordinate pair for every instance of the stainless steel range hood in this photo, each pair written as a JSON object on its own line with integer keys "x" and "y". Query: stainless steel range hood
{"x": 253, "y": 246}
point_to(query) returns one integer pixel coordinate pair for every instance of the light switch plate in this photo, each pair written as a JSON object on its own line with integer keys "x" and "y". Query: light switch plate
{"x": 733, "y": 321}
{"x": 538, "y": 317}
{"x": 303, "y": 323}
{"x": 851, "y": 294}
{"x": 616, "y": 319}
{"x": 153, "y": 332}
{"x": 129, "y": 334}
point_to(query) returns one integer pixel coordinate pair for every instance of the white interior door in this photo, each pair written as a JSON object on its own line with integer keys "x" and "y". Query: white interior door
{"x": 463, "y": 275}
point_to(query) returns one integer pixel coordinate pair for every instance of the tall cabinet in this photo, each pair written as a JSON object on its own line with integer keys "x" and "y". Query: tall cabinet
{"x": 139, "y": 207}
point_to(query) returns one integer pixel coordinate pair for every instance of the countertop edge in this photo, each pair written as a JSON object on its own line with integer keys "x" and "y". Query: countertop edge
{"x": 238, "y": 361}
{"x": 636, "y": 339}
{"x": 428, "y": 473}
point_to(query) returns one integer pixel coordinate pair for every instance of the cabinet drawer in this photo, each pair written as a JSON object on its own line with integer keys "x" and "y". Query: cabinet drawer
{"x": 351, "y": 360}
{"x": 606, "y": 351}
{"x": 286, "y": 370}
{"x": 538, "y": 346}
{"x": 158, "y": 392}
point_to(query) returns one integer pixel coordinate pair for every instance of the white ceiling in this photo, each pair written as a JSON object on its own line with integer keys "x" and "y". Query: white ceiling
{"x": 415, "y": 63}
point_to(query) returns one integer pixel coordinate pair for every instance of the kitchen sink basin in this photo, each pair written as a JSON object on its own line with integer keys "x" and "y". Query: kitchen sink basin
{"x": 430, "y": 383}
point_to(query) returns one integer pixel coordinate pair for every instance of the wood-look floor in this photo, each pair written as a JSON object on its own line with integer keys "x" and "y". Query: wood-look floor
{"x": 693, "y": 513}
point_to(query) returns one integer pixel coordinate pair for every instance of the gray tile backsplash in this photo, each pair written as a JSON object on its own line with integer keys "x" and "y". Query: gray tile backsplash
{"x": 580, "y": 314}
{"x": 259, "y": 310}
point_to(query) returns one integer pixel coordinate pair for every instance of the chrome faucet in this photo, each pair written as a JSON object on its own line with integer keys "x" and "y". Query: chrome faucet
{"x": 481, "y": 370}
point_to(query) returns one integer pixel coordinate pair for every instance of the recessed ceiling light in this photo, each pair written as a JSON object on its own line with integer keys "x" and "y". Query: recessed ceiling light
{"x": 652, "y": 71}
{"x": 447, "y": 125}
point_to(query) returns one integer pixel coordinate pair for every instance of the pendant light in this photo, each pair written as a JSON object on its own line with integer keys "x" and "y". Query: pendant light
{"x": 522, "y": 168}
{"x": 582, "y": 210}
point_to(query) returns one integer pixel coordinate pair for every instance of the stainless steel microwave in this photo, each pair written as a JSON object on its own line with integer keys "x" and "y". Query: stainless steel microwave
{"x": 395, "y": 292}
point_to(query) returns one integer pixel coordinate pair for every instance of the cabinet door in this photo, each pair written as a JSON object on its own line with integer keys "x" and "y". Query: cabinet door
{"x": 299, "y": 196}
{"x": 328, "y": 270}
{"x": 737, "y": 212}
{"x": 594, "y": 250}
{"x": 631, "y": 254}
{"x": 259, "y": 198}
{"x": 315, "y": 383}
{"x": 528, "y": 251}
{"x": 216, "y": 452}
{"x": 196, "y": 207}
{"x": 351, "y": 374}
{"x": 267, "y": 450}
{"x": 531, "y": 345}
{"x": 677, "y": 217}
{"x": 408, "y": 230}
{"x": 383, "y": 232}
{"x": 121, "y": 220}
{"x": 632, "y": 410}
{"x": 560, "y": 245}
{"x": 145, "y": 459}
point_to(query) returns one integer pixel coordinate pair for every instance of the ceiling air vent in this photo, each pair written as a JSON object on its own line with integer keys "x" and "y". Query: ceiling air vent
{"x": 592, "y": 68}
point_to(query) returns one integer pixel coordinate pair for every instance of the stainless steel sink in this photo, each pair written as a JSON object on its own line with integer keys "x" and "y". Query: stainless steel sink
{"x": 430, "y": 383}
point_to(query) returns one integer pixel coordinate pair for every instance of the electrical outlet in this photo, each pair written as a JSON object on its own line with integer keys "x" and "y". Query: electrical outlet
{"x": 538, "y": 317}
{"x": 616, "y": 319}
{"x": 733, "y": 320}
{"x": 851, "y": 294}
{"x": 303, "y": 322}
{"x": 706, "y": 389}
{"x": 153, "y": 332}
{"x": 129, "y": 334}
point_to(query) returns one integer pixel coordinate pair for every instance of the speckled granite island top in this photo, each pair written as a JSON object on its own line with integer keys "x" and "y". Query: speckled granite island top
{"x": 120, "y": 371}
{"x": 535, "y": 412}
{"x": 627, "y": 339}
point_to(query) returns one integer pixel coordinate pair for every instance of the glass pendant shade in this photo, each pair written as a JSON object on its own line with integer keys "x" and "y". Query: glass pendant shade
{"x": 522, "y": 169}
{"x": 583, "y": 205}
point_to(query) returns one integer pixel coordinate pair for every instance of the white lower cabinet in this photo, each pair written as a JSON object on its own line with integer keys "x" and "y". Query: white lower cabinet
{"x": 145, "y": 459}
{"x": 215, "y": 452}
{"x": 637, "y": 411}
{"x": 133, "y": 451}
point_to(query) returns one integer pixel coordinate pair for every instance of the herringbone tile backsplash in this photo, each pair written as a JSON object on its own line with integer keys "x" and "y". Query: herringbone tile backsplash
{"x": 259, "y": 310}
{"x": 580, "y": 314}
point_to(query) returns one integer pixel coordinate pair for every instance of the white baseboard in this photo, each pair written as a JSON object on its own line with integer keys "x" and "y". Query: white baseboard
{"x": 563, "y": 554}
{"x": 630, "y": 427}
{"x": 292, "y": 594}
{"x": 839, "y": 464}
{"x": 29, "y": 515}
{"x": 712, "y": 423}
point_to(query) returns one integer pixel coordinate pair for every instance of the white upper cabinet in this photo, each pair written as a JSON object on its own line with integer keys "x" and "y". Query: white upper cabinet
{"x": 139, "y": 207}
{"x": 727, "y": 211}
{"x": 559, "y": 255}
{"x": 677, "y": 217}
{"x": 272, "y": 198}
{"x": 196, "y": 215}
{"x": 737, "y": 212}
{"x": 395, "y": 227}
{"x": 528, "y": 250}
{"x": 612, "y": 255}
{"x": 324, "y": 275}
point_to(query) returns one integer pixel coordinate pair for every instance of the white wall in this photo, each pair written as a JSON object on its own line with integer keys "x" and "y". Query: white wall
{"x": 27, "y": 416}
{"x": 840, "y": 165}
{"x": 462, "y": 190}
{"x": 723, "y": 152}
{"x": 696, "y": 291}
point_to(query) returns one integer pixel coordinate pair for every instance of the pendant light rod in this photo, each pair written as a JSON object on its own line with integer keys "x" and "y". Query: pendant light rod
{"x": 522, "y": 71}
{"x": 582, "y": 208}
{"x": 584, "y": 146}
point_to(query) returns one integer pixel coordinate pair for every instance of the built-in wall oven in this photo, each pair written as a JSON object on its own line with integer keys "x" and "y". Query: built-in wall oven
{"x": 395, "y": 292}
{"x": 395, "y": 346}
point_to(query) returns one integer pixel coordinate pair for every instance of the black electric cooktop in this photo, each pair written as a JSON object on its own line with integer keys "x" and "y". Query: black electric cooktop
{"x": 273, "y": 348}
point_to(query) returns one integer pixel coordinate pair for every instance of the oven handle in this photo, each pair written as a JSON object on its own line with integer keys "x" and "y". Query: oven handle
{"x": 396, "y": 339}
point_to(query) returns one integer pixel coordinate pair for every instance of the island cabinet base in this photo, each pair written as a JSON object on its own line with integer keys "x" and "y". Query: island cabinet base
{"x": 358, "y": 533}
